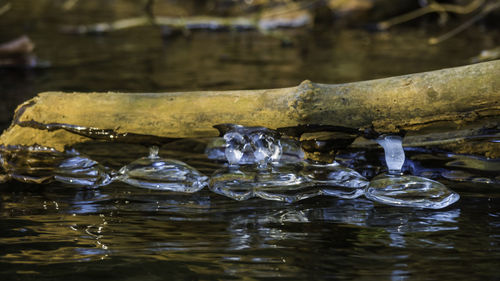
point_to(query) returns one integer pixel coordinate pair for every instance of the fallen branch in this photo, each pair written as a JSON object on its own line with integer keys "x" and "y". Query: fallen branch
{"x": 449, "y": 104}
{"x": 294, "y": 17}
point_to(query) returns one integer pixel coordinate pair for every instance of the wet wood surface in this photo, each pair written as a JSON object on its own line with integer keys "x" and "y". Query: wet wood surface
{"x": 449, "y": 103}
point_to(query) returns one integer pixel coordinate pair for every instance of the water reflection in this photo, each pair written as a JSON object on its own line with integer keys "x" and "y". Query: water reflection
{"x": 211, "y": 233}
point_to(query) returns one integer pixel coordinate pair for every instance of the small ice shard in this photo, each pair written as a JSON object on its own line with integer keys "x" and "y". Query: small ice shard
{"x": 154, "y": 172}
{"x": 397, "y": 189}
{"x": 335, "y": 180}
{"x": 394, "y": 153}
{"x": 410, "y": 191}
{"x": 82, "y": 171}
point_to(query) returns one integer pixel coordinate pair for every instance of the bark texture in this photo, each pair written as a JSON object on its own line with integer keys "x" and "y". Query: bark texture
{"x": 455, "y": 102}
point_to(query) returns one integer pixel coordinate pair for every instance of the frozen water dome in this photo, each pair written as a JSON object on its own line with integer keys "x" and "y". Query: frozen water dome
{"x": 335, "y": 180}
{"x": 82, "y": 171}
{"x": 410, "y": 191}
{"x": 153, "y": 172}
{"x": 397, "y": 189}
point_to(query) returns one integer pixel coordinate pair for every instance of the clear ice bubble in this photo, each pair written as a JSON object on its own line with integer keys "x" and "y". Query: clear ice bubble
{"x": 410, "y": 191}
{"x": 236, "y": 145}
{"x": 82, "y": 171}
{"x": 290, "y": 151}
{"x": 280, "y": 183}
{"x": 266, "y": 148}
{"x": 335, "y": 180}
{"x": 265, "y": 177}
{"x": 284, "y": 182}
{"x": 154, "y": 172}
{"x": 236, "y": 183}
{"x": 397, "y": 189}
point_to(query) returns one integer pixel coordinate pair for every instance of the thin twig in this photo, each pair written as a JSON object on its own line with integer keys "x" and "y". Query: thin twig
{"x": 69, "y": 4}
{"x": 292, "y": 8}
{"x": 487, "y": 9}
{"x": 149, "y": 9}
{"x": 457, "y": 9}
{"x": 433, "y": 7}
{"x": 5, "y": 8}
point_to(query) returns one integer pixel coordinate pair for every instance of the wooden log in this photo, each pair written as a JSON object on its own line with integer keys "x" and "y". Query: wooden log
{"x": 465, "y": 99}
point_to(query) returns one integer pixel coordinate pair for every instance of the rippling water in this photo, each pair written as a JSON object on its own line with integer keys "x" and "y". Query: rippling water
{"x": 55, "y": 231}
{"x": 121, "y": 231}
{"x": 124, "y": 232}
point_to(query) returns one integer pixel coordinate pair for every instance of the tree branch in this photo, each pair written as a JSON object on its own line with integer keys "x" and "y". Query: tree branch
{"x": 448, "y": 104}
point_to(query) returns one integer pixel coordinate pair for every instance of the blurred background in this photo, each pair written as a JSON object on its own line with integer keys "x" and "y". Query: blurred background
{"x": 174, "y": 45}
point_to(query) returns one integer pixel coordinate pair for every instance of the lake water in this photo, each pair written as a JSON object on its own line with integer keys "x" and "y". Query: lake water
{"x": 54, "y": 231}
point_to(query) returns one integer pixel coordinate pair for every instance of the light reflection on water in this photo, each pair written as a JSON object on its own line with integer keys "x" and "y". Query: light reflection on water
{"x": 205, "y": 234}
{"x": 210, "y": 234}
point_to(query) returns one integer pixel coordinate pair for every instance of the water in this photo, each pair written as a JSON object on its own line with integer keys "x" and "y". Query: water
{"x": 60, "y": 231}
{"x": 124, "y": 232}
